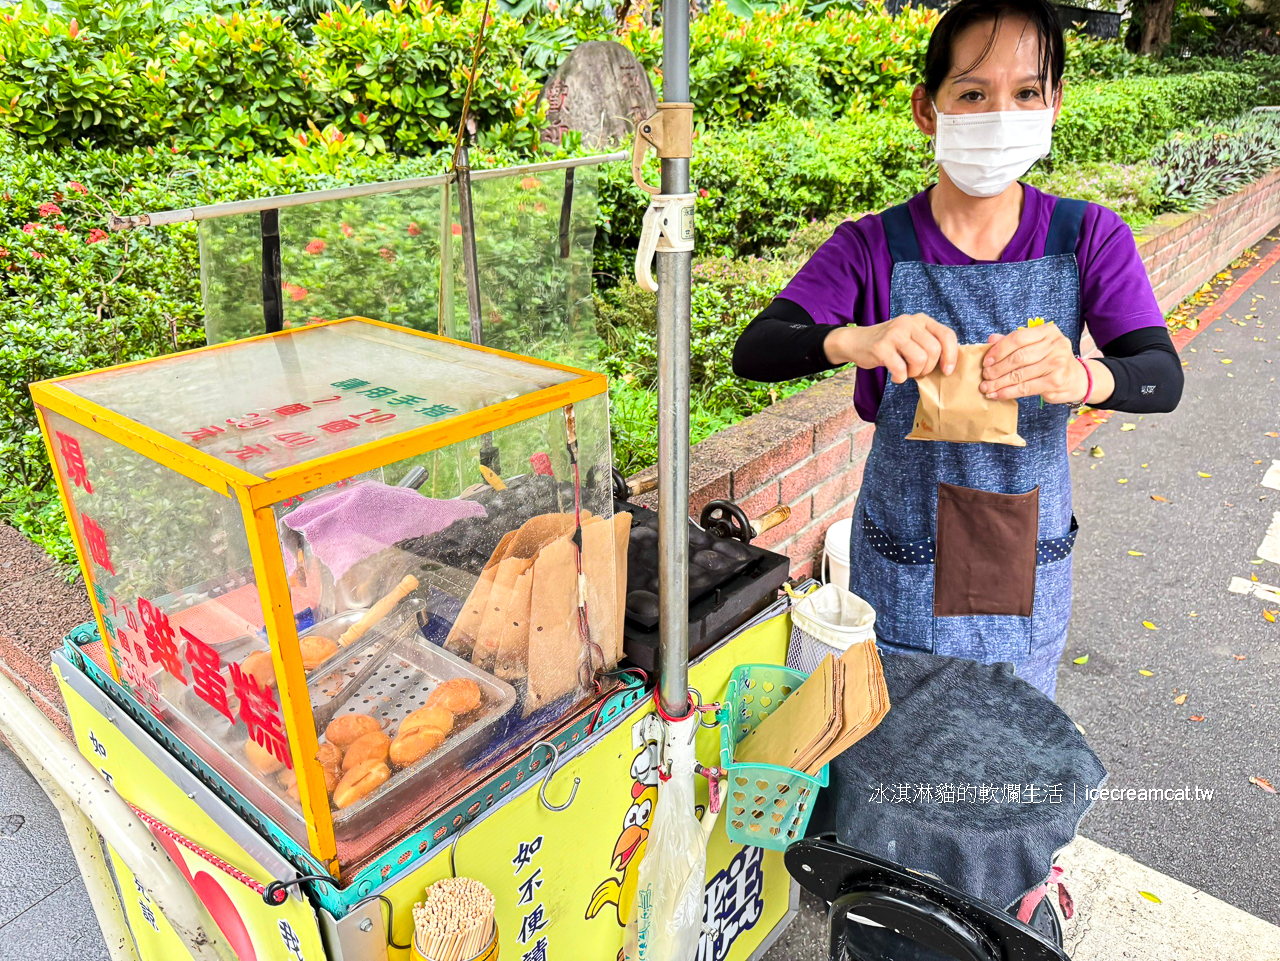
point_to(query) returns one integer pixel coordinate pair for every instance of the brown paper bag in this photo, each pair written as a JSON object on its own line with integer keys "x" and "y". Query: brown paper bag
{"x": 866, "y": 702}
{"x": 952, "y": 408}
{"x": 802, "y": 726}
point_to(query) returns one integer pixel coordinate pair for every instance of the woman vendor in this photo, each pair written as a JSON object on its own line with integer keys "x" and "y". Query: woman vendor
{"x": 975, "y": 259}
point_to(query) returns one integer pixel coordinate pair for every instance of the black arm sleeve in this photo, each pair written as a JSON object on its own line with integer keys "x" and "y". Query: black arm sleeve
{"x": 1147, "y": 371}
{"x": 781, "y": 343}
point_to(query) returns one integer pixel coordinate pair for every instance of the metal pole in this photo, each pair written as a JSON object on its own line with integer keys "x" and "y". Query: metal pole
{"x": 675, "y": 271}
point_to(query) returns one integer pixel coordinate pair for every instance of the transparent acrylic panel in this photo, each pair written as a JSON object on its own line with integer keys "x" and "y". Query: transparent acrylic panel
{"x": 264, "y": 405}
{"x": 375, "y": 256}
{"x": 534, "y": 235}
{"x": 447, "y": 621}
{"x": 170, "y": 569}
{"x": 231, "y": 277}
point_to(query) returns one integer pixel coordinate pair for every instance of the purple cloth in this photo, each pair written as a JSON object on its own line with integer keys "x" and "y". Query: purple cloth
{"x": 347, "y": 526}
{"x": 846, "y": 281}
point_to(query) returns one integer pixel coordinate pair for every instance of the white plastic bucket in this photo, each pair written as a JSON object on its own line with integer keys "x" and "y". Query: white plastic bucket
{"x": 835, "y": 553}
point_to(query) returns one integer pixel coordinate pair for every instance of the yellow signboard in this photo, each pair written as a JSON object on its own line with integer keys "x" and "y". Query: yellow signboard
{"x": 564, "y": 881}
{"x": 254, "y": 930}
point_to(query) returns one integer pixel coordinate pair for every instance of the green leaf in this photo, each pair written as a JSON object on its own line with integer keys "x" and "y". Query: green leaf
{"x": 1082, "y": 659}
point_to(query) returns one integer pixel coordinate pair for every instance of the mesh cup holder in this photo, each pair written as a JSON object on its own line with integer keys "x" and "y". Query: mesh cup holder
{"x": 766, "y": 805}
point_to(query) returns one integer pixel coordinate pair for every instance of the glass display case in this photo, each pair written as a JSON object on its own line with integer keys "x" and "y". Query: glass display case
{"x": 355, "y": 568}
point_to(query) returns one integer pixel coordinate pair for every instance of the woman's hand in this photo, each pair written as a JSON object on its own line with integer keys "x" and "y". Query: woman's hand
{"x": 1030, "y": 361}
{"x": 907, "y": 346}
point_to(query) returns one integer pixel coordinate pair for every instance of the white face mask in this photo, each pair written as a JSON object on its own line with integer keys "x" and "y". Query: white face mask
{"x": 983, "y": 153}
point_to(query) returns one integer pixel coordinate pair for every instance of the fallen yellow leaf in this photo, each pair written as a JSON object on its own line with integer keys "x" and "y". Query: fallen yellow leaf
{"x": 1263, "y": 783}
{"x": 1151, "y": 897}
{"x": 1180, "y": 700}
{"x": 1128, "y": 426}
{"x": 1157, "y": 497}
{"x": 1147, "y": 673}
{"x": 1272, "y": 433}
{"x": 1137, "y": 554}
{"x": 1270, "y": 615}
{"x": 1203, "y": 474}
{"x": 1149, "y": 626}
{"x": 1123, "y": 480}
{"x": 1082, "y": 659}
{"x": 1226, "y": 360}
{"x": 1096, "y": 451}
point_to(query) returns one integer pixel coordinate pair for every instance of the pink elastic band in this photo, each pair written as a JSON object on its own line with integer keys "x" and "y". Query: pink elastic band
{"x": 1088, "y": 374}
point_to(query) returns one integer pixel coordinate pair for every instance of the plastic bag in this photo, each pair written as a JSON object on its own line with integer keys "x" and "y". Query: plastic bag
{"x": 666, "y": 923}
{"x": 826, "y": 621}
{"x": 953, "y": 408}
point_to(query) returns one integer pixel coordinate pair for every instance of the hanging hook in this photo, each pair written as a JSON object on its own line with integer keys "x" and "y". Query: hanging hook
{"x": 546, "y": 779}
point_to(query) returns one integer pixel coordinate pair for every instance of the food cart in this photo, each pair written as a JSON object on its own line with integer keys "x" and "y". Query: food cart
{"x": 359, "y": 602}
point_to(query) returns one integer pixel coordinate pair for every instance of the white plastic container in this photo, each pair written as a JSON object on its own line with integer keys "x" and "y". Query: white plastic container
{"x": 835, "y": 553}
{"x": 829, "y": 620}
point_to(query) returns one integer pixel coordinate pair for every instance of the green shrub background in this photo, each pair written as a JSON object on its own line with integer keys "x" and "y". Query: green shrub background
{"x": 132, "y": 106}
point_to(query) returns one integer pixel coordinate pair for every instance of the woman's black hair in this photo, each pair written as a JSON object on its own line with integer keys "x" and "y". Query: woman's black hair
{"x": 1041, "y": 15}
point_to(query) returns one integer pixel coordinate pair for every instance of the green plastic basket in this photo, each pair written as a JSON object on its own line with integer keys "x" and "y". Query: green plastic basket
{"x": 766, "y": 805}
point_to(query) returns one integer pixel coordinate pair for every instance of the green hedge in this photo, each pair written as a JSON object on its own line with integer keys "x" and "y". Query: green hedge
{"x": 146, "y": 73}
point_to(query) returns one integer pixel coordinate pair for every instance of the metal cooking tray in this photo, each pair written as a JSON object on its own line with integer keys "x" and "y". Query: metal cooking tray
{"x": 410, "y": 670}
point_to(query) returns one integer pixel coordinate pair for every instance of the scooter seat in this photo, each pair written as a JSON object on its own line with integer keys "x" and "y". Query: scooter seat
{"x": 880, "y": 911}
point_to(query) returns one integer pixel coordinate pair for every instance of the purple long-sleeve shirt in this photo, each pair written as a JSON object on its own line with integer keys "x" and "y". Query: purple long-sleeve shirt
{"x": 846, "y": 281}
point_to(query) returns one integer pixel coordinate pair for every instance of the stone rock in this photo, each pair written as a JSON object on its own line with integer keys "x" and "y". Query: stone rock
{"x": 600, "y": 90}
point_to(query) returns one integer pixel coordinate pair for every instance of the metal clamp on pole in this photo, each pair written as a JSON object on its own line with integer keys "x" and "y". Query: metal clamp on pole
{"x": 668, "y": 226}
{"x": 669, "y": 132}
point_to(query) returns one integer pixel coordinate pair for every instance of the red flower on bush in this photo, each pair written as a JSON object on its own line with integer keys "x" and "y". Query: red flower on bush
{"x": 362, "y": 117}
{"x": 702, "y": 191}
{"x": 529, "y": 183}
{"x": 539, "y": 208}
{"x": 49, "y": 210}
{"x": 3, "y": 253}
{"x": 414, "y": 230}
{"x": 60, "y": 228}
{"x": 456, "y": 229}
{"x": 297, "y": 293}
{"x": 386, "y": 253}
{"x": 28, "y": 228}
{"x": 37, "y": 255}
{"x": 96, "y": 235}
{"x": 76, "y": 187}
{"x": 73, "y": 29}
{"x": 315, "y": 247}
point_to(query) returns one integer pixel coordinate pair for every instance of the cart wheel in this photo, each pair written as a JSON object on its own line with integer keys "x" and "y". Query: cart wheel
{"x": 726, "y": 519}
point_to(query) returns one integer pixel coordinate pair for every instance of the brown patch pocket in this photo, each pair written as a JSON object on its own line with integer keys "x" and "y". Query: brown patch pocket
{"x": 986, "y": 552}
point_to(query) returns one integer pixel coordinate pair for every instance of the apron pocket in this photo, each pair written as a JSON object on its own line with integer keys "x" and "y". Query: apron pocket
{"x": 986, "y": 552}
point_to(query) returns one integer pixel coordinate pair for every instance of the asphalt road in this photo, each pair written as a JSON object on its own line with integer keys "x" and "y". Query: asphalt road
{"x": 1216, "y": 647}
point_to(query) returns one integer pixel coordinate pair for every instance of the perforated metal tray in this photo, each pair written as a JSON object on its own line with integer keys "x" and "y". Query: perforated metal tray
{"x": 408, "y": 672}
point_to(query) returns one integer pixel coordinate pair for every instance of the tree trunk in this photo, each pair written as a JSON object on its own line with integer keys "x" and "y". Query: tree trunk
{"x": 1157, "y": 26}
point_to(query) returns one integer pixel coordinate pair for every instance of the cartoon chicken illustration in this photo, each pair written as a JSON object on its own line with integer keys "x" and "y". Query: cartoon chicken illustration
{"x": 629, "y": 849}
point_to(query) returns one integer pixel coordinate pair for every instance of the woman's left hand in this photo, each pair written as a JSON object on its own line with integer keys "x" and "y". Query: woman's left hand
{"x": 1030, "y": 361}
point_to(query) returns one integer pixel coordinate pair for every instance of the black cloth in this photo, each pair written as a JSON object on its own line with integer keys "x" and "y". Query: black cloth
{"x": 957, "y": 723}
{"x": 782, "y": 342}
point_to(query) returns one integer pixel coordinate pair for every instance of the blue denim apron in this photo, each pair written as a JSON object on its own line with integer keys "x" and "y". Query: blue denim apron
{"x": 893, "y": 546}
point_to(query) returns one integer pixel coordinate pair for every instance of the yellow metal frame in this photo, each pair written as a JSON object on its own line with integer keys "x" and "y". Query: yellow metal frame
{"x": 256, "y": 496}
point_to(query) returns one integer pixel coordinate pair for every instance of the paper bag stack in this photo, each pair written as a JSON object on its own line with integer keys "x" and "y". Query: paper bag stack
{"x": 521, "y": 619}
{"x": 838, "y": 705}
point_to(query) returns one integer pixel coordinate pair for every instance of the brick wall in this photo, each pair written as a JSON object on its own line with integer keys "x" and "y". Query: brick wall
{"x": 1182, "y": 251}
{"x": 808, "y": 451}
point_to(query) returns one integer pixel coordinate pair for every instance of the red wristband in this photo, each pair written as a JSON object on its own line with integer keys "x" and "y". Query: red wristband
{"x": 1089, "y": 376}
